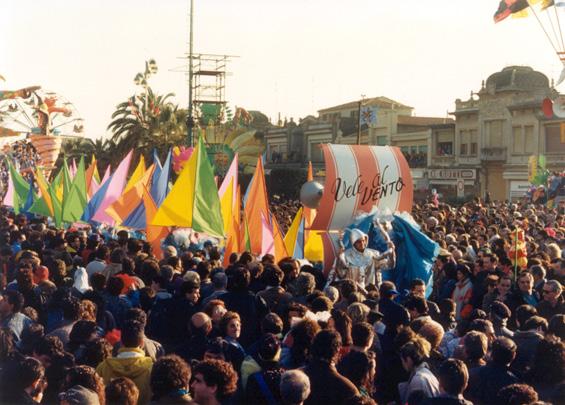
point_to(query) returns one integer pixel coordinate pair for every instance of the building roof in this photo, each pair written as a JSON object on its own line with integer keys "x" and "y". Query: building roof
{"x": 517, "y": 78}
{"x": 381, "y": 101}
{"x": 423, "y": 121}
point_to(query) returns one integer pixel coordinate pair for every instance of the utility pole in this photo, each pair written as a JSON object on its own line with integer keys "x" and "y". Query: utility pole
{"x": 359, "y": 119}
{"x": 190, "y": 118}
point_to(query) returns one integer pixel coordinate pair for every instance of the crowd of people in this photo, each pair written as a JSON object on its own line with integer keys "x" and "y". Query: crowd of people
{"x": 284, "y": 211}
{"x": 25, "y": 158}
{"x": 416, "y": 159}
{"x": 89, "y": 319}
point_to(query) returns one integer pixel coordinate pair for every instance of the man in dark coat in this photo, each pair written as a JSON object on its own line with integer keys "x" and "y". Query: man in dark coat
{"x": 553, "y": 302}
{"x": 275, "y": 296}
{"x": 195, "y": 347}
{"x": 486, "y": 381}
{"x": 394, "y": 315}
{"x": 527, "y": 340}
{"x": 524, "y": 294}
{"x": 184, "y": 306}
{"x": 327, "y": 385}
{"x": 250, "y": 308}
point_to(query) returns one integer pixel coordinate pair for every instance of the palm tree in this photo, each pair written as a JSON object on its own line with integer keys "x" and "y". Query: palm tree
{"x": 75, "y": 148}
{"x": 106, "y": 151}
{"x": 147, "y": 120}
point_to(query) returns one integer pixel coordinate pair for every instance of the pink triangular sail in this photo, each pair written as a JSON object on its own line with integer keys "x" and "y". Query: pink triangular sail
{"x": 115, "y": 188}
{"x": 231, "y": 174}
{"x": 73, "y": 168}
{"x": 268, "y": 240}
{"x": 9, "y": 197}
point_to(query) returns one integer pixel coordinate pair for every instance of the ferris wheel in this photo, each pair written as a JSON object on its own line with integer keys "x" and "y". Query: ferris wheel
{"x": 39, "y": 112}
{"x": 42, "y": 117}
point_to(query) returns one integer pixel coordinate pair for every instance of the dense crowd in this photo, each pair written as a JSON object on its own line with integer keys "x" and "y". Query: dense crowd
{"x": 416, "y": 159}
{"x": 284, "y": 211}
{"x": 89, "y": 319}
{"x": 24, "y": 157}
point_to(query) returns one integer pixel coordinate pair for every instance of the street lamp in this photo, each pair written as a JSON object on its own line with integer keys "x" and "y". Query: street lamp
{"x": 190, "y": 118}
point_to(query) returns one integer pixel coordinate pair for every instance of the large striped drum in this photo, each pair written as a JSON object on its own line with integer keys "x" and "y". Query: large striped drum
{"x": 359, "y": 178}
{"x": 48, "y": 148}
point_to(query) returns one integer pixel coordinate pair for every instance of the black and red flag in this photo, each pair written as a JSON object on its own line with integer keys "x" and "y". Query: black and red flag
{"x": 507, "y": 7}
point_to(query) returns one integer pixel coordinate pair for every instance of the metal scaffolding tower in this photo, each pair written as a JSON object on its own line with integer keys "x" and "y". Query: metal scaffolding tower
{"x": 206, "y": 79}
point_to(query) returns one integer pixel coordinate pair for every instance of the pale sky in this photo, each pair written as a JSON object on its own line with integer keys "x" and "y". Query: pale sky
{"x": 295, "y": 56}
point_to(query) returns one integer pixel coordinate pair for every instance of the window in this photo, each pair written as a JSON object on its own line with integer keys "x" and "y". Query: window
{"x": 444, "y": 145}
{"x": 445, "y": 148}
{"x": 413, "y": 149}
{"x": 423, "y": 149}
{"x": 463, "y": 143}
{"x": 530, "y": 140}
{"x": 554, "y": 140}
{"x": 517, "y": 140}
{"x": 382, "y": 140}
{"x": 523, "y": 140}
{"x": 463, "y": 150}
{"x": 405, "y": 149}
{"x": 494, "y": 133}
{"x": 473, "y": 142}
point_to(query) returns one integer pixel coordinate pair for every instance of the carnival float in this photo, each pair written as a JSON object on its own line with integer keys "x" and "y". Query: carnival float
{"x": 40, "y": 117}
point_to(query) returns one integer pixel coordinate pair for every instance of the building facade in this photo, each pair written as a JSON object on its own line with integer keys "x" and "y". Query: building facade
{"x": 484, "y": 148}
{"x": 495, "y": 132}
{"x": 395, "y": 125}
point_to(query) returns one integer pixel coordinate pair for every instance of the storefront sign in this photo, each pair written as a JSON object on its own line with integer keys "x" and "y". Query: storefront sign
{"x": 518, "y": 189}
{"x": 452, "y": 174}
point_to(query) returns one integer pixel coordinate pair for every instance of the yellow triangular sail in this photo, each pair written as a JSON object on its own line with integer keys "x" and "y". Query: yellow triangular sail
{"x": 44, "y": 188}
{"x": 177, "y": 208}
{"x": 226, "y": 202}
{"x": 137, "y": 175}
{"x": 292, "y": 233}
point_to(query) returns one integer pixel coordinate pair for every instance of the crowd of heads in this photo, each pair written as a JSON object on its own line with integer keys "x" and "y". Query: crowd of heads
{"x": 93, "y": 319}
{"x": 25, "y": 158}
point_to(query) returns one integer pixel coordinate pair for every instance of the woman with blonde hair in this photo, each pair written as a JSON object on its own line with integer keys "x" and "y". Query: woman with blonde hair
{"x": 358, "y": 312}
{"x": 553, "y": 250}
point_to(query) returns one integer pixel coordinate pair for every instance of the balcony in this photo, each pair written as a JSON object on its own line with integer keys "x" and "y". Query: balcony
{"x": 443, "y": 161}
{"x": 415, "y": 160}
{"x": 493, "y": 154}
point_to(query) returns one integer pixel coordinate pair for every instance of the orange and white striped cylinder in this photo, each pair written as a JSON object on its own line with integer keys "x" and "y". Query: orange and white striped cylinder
{"x": 48, "y": 148}
{"x": 359, "y": 178}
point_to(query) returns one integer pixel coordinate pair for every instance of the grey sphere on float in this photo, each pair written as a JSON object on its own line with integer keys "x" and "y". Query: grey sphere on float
{"x": 311, "y": 194}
